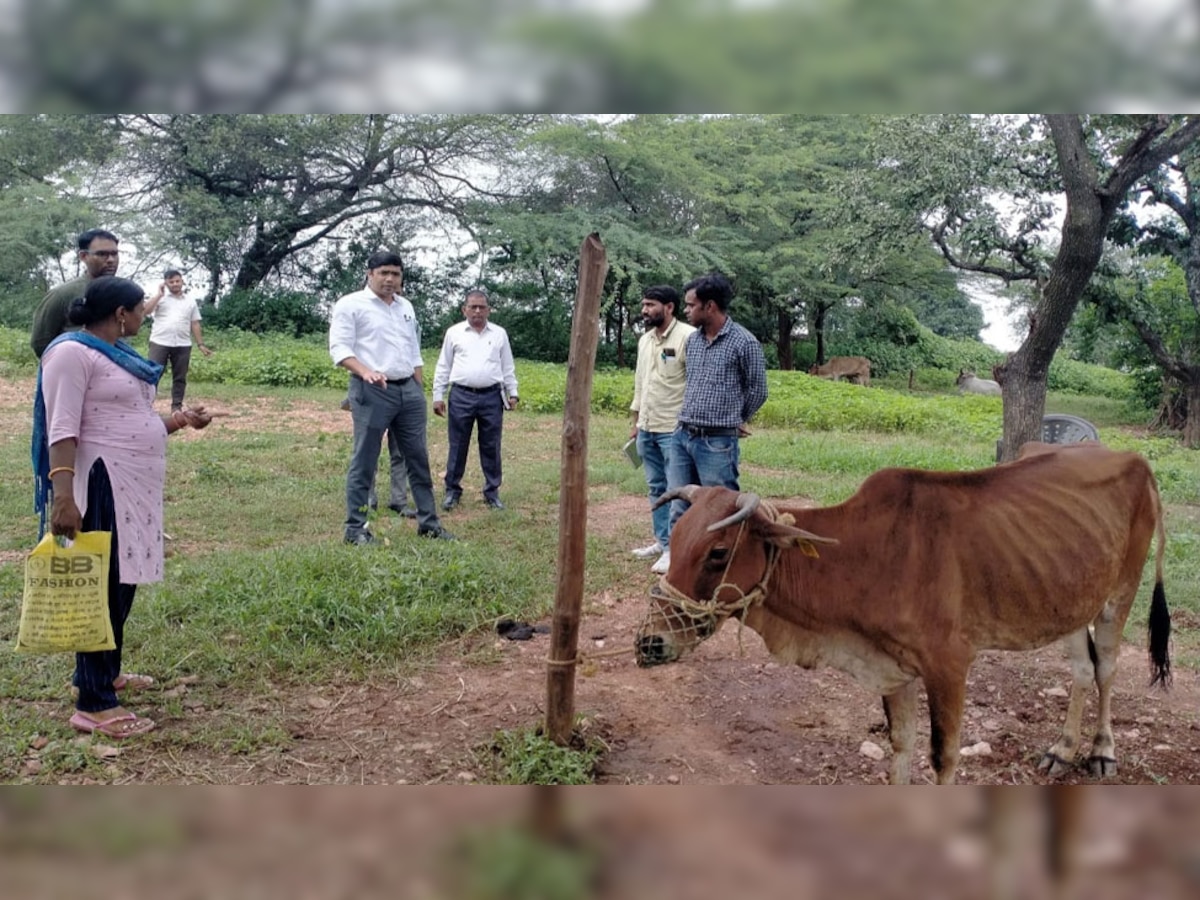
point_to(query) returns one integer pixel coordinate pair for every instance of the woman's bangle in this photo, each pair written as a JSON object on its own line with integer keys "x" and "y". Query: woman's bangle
{"x": 58, "y": 469}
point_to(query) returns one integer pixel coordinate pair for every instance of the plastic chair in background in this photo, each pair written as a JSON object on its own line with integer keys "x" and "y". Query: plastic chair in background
{"x": 1059, "y": 428}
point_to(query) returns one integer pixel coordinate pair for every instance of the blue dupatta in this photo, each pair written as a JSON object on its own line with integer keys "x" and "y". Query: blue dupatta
{"x": 120, "y": 353}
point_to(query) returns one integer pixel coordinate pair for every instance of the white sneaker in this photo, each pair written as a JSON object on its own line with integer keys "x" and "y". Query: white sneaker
{"x": 646, "y": 552}
{"x": 663, "y": 564}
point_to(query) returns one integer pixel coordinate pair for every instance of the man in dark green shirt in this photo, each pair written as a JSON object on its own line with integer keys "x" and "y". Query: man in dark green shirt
{"x": 100, "y": 256}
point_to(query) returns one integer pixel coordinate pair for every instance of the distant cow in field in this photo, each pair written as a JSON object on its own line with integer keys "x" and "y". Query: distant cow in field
{"x": 969, "y": 384}
{"x": 906, "y": 581}
{"x": 852, "y": 368}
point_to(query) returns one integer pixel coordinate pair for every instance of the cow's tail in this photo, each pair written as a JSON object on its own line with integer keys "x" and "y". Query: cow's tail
{"x": 1160, "y": 616}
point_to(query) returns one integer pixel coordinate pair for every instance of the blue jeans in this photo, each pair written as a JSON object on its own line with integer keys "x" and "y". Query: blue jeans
{"x": 707, "y": 461}
{"x": 655, "y": 451}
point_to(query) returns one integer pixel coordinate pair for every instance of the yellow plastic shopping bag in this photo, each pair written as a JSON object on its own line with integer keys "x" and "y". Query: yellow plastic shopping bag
{"x": 65, "y": 606}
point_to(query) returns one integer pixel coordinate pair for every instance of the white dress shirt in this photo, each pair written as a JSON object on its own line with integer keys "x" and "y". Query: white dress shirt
{"x": 382, "y": 336}
{"x": 476, "y": 359}
{"x": 173, "y": 318}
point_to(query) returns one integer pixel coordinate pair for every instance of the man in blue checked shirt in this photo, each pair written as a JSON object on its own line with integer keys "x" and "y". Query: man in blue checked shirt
{"x": 726, "y": 386}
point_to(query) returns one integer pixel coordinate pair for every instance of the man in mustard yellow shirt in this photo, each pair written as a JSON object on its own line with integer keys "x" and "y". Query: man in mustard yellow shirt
{"x": 657, "y": 396}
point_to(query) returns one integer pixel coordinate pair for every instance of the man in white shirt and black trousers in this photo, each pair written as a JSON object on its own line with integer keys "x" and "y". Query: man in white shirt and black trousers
{"x": 373, "y": 333}
{"x": 476, "y": 363}
{"x": 176, "y": 325}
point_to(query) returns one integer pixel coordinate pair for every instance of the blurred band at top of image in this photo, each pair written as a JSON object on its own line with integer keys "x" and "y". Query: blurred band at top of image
{"x": 588, "y": 55}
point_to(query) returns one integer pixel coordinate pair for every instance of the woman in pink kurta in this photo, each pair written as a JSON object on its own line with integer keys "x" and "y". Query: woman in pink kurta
{"x": 103, "y": 450}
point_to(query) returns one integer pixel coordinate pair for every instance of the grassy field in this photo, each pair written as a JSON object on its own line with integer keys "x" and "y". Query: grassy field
{"x": 260, "y": 591}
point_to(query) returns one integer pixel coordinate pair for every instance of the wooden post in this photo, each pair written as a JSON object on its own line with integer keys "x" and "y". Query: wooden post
{"x": 572, "y": 498}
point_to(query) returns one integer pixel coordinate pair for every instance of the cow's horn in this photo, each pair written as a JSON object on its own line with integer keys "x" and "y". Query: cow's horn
{"x": 685, "y": 492}
{"x": 746, "y": 505}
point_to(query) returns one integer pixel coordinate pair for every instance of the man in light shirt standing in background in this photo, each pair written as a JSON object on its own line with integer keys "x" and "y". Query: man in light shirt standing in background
{"x": 476, "y": 363}
{"x": 176, "y": 323}
{"x": 658, "y": 386}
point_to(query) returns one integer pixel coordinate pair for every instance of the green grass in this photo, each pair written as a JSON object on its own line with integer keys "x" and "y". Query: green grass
{"x": 527, "y": 756}
{"x": 262, "y": 596}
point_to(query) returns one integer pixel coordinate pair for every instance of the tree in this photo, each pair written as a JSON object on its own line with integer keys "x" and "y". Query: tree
{"x": 982, "y": 188}
{"x": 626, "y": 180}
{"x": 247, "y": 194}
{"x": 42, "y": 206}
{"x": 1164, "y": 310}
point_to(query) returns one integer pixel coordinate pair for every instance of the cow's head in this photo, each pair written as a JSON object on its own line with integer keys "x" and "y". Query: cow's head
{"x": 723, "y": 551}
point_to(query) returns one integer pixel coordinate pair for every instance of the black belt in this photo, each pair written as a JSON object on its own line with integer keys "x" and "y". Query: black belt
{"x": 390, "y": 380}
{"x": 701, "y": 431}
{"x": 487, "y": 390}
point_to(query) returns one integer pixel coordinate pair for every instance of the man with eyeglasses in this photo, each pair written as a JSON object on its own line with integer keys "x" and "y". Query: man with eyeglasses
{"x": 99, "y": 254}
{"x": 476, "y": 363}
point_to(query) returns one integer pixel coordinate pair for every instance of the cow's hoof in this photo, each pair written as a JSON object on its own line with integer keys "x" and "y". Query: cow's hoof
{"x": 1054, "y": 765}
{"x": 1102, "y": 766}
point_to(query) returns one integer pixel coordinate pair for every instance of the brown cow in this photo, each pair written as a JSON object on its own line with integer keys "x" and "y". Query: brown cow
{"x": 923, "y": 570}
{"x": 853, "y": 368}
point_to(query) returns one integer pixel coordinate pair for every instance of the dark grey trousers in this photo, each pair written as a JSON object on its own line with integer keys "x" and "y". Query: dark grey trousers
{"x": 180, "y": 359}
{"x": 401, "y": 409}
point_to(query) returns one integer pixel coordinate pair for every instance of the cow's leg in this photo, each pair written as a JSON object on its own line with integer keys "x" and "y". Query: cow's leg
{"x": 947, "y": 690}
{"x": 1103, "y": 761}
{"x": 901, "y": 711}
{"x": 1061, "y": 757}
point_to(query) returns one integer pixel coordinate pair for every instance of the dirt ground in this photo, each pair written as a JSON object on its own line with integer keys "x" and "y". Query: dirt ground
{"x": 726, "y": 715}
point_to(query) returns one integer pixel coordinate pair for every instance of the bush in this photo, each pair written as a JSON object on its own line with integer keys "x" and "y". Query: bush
{"x": 276, "y": 360}
{"x": 260, "y": 311}
{"x": 797, "y": 400}
{"x": 1073, "y": 377}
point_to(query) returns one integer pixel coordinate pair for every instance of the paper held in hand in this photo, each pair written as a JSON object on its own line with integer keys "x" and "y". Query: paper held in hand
{"x": 631, "y": 451}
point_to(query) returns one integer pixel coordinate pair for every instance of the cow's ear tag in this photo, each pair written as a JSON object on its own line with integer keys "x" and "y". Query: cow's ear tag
{"x": 808, "y": 548}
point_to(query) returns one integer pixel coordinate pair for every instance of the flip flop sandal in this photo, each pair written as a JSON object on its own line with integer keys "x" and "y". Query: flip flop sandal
{"x": 118, "y": 727}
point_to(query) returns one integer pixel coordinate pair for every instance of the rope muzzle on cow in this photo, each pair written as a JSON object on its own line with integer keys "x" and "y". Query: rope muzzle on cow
{"x": 705, "y": 617}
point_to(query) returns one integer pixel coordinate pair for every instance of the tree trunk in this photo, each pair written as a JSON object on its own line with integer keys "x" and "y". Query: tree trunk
{"x": 1024, "y": 405}
{"x": 786, "y": 360}
{"x": 622, "y": 313}
{"x": 1191, "y": 427}
{"x": 1023, "y": 375}
{"x": 819, "y": 330}
{"x": 259, "y": 260}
